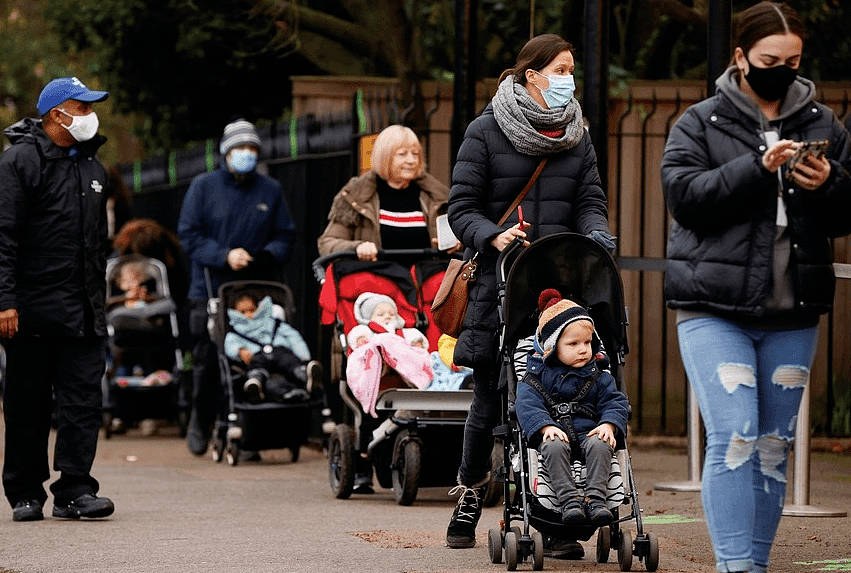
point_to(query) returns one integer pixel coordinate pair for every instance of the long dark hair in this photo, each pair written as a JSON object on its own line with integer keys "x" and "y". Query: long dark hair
{"x": 767, "y": 19}
{"x": 535, "y": 55}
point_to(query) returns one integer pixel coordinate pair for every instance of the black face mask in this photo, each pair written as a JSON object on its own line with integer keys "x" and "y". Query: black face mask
{"x": 771, "y": 84}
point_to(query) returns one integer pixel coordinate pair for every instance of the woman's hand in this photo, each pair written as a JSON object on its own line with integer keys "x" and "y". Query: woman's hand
{"x": 778, "y": 154}
{"x": 367, "y": 251}
{"x": 812, "y": 172}
{"x": 504, "y": 239}
{"x": 606, "y": 432}
{"x": 554, "y": 432}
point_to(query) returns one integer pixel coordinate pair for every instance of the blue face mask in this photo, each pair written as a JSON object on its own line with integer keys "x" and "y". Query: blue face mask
{"x": 560, "y": 91}
{"x": 243, "y": 161}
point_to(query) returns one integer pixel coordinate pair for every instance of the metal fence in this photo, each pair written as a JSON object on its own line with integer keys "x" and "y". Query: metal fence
{"x": 314, "y": 156}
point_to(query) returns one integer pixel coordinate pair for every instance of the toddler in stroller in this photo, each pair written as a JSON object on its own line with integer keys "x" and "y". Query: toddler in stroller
{"x": 142, "y": 381}
{"x": 275, "y": 354}
{"x": 568, "y": 407}
{"x": 269, "y": 386}
{"x": 539, "y": 484}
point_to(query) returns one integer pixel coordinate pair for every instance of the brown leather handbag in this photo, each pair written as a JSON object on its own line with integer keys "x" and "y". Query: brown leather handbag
{"x": 450, "y": 303}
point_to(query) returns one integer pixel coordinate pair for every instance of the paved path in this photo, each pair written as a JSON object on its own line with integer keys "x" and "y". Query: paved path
{"x": 180, "y": 514}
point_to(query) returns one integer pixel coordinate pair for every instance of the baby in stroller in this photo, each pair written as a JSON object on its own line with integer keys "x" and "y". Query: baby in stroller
{"x": 567, "y": 406}
{"x": 380, "y": 343}
{"x": 137, "y": 312}
{"x": 276, "y": 356}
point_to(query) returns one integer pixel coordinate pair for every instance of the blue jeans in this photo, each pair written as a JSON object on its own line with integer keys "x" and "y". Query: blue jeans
{"x": 748, "y": 384}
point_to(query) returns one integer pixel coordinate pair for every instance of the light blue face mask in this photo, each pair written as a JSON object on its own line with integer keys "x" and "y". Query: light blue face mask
{"x": 560, "y": 91}
{"x": 243, "y": 161}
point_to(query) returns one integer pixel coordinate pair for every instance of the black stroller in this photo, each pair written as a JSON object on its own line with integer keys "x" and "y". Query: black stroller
{"x": 241, "y": 425}
{"x": 581, "y": 270}
{"x": 145, "y": 376}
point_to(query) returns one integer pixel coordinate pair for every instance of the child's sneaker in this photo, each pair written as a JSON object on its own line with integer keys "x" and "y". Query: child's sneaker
{"x": 573, "y": 513}
{"x": 253, "y": 391}
{"x": 598, "y": 513}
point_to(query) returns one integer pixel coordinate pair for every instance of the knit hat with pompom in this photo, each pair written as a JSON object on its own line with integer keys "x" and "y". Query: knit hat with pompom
{"x": 556, "y": 314}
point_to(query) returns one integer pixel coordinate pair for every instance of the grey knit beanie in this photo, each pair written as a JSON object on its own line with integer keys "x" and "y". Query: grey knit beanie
{"x": 365, "y": 305}
{"x": 240, "y": 132}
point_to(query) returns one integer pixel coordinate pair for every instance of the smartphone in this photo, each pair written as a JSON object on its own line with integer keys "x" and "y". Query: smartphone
{"x": 445, "y": 237}
{"x": 816, "y": 147}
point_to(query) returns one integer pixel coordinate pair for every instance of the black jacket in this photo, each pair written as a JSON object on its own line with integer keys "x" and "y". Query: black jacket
{"x": 53, "y": 235}
{"x": 487, "y": 177}
{"x": 724, "y": 205}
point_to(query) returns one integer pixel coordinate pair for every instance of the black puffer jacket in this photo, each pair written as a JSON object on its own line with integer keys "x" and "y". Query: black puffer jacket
{"x": 488, "y": 176}
{"x": 52, "y": 233}
{"x": 724, "y": 204}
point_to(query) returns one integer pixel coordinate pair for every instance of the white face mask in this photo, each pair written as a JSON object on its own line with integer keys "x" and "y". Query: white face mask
{"x": 83, "y": 127}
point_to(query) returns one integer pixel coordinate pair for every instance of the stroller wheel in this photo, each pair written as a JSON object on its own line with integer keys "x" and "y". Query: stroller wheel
{"x": 625, "y": 551}
{"x": 495, "y": 545}
{"x": 341, "y": 463}
{"x": 604, "y": 544}
{"x": 537, "y": 551}
{"x": 511, "y": 551}
{"x": 652, "y": 559}
{"x": 406, "y": 468}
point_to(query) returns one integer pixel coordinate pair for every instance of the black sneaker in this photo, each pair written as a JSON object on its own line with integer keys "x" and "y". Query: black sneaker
{"x": 461, "y": 533}
{"x": 573, "y": 512}
{"x": 87, "y": 505}
{"x": 562, "y": 548}
{"x": 598, "y": 513}
{"x": 28, "y": 510}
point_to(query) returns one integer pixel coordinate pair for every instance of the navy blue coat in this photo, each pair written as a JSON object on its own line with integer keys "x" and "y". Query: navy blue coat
{"x": 53, "y": 233}
{"x": 219, "y": 215}
{"x": 724, "y": 205}
{"x": 563, "y": 383}
{"x": 488, "y": 175}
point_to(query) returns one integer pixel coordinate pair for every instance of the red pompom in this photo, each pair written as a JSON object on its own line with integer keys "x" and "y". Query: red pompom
{"x": 547, "y": 298}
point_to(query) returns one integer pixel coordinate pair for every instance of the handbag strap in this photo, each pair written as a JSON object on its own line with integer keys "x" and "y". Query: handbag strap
{"x": 520, "y": 197}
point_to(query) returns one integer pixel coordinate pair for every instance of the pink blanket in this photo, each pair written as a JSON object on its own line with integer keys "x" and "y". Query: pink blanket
{"x": 363, "y": 370}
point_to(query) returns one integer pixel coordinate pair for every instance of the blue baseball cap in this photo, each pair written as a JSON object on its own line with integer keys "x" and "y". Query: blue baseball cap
{"x": 63, "y": 89}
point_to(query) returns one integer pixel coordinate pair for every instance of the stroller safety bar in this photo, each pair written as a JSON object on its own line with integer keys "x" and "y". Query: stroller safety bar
{"x": 446, "y": 400}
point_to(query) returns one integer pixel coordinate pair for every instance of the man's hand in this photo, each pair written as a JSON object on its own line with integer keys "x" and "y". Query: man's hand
{"x": 239, "y": 258}
{"x": 554, "y": 432}
{"x": 8, "y": 323}
{"x": 606, "y": 432}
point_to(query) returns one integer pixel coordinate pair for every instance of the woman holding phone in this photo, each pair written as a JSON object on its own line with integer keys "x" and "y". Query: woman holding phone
{"x": 532, "y": 116}
{"x": 750, "y": 269}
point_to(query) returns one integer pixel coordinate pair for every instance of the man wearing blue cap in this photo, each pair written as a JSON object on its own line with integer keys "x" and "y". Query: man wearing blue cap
{"x": 53, "y": 243}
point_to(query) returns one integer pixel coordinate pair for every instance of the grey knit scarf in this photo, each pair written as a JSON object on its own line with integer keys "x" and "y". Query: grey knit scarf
{"x": 520, "y": 117}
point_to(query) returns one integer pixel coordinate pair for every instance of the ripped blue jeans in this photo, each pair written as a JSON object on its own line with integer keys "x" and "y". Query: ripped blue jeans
{"x": 748, "y": 384}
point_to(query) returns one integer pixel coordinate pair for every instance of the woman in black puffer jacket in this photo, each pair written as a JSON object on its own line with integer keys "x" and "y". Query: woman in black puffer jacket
{"x": 533, "y": 115}
{"x": 750, "y": 269}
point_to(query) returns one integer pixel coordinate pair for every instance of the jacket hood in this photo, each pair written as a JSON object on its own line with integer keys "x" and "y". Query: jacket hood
{"x": 800, "y": 94}
{"x": 262, "y": 316}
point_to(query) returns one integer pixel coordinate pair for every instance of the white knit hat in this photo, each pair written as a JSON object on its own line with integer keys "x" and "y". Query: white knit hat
{"x": 240, "y": 132}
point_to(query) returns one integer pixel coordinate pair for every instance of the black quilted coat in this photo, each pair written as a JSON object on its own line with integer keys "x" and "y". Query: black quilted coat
{"x": 724, "y": 207}
{"x": 488, "y": 176}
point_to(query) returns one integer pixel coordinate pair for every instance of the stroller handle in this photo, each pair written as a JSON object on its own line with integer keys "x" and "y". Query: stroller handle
{"x": 321, "y": 264}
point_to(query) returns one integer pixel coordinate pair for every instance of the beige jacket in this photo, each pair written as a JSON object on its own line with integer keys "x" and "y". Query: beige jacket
{"x": 353, "y": 218}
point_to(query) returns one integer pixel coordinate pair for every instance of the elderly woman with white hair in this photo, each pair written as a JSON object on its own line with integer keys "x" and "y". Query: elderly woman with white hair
{"x": 392, "y": 206}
